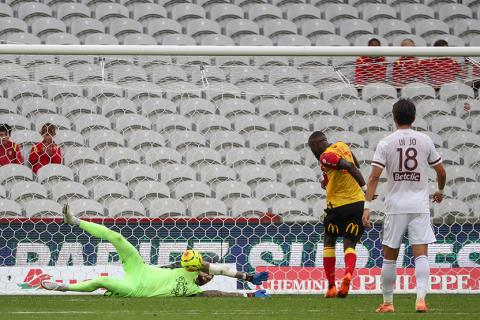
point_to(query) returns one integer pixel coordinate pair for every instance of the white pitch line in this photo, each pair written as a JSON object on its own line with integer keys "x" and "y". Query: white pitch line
{"x": 47, "y": 312}
{"x": 192, "y": 312}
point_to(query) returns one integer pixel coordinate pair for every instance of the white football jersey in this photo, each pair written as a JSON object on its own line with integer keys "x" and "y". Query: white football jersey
{"x": 406, "y": 155}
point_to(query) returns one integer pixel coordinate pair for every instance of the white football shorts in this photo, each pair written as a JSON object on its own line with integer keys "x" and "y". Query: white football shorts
{"x": 418, "y": 225}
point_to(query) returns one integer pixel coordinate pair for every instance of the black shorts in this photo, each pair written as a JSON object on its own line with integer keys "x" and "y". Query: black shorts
{"x": 345, "y": 221}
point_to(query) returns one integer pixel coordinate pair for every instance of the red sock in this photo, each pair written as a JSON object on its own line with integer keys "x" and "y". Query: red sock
{"x": 329, "y": 264}
{"x": 350, "y": 260}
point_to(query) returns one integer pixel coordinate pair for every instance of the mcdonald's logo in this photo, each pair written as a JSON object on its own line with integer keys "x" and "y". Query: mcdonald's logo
{"x": 353, "y": 228}
{"x": 332, "y": 228}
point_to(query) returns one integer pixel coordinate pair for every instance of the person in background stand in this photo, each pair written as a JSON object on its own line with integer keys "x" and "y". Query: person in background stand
{"x": 406, "y": 69}
{"x": 46, "y": 151}
{"x": 370, "y": 69}
{"x": 9, "y": 151}
{"x": 440, "y": 70}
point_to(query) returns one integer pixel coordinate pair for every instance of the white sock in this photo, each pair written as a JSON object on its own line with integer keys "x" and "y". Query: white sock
{"x": 71, "y": 219}
{"x": 75, "y": 221}
{"x": 68, "y": 217}
{"x": 389, "y": 276}
{"x": 55, "y": 286}
{"x": 422, "y": 273}
{"x": 62, "y": 287}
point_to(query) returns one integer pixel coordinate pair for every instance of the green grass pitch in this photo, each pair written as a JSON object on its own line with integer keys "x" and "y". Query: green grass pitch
{"x": 278, "y": 308}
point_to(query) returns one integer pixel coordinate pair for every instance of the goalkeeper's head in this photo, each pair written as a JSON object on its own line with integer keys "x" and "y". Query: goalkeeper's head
{"x": 203, "y": 278}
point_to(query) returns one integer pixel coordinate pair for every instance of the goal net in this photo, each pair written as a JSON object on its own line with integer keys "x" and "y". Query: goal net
{"x": 210, "y": 153}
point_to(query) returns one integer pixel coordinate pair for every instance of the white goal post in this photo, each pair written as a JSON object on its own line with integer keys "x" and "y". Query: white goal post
{"x": 154, "y": 122}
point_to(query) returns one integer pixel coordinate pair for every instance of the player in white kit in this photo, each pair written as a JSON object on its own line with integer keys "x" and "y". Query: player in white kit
{"x": 407, "y": 155}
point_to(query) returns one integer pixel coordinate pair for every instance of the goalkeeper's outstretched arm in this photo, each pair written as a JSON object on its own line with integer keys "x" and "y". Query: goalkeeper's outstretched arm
{"x": 223, "y": 270}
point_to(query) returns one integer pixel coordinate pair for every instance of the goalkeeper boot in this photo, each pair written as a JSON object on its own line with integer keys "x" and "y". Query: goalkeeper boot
{"x": 68, "y": 217}
{"x": 331, "y": 292}
{"x": 421, "y": 306}
{"x": 385, "y": 308}
{"x": 53, "y": 286}
{"x": 345, "y": 286}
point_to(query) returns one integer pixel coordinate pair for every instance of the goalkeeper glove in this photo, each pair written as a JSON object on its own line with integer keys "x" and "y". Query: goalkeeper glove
{"x": 257, "y": 278}
{"x": 258, "y": 294}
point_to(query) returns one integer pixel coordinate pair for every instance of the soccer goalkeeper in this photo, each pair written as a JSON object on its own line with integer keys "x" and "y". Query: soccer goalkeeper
{"x": 142, "y": 280}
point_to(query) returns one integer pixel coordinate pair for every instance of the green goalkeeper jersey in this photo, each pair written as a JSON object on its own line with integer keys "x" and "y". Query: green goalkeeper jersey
{"x": 140, "y": 280}
{"x": 151, "y": 281}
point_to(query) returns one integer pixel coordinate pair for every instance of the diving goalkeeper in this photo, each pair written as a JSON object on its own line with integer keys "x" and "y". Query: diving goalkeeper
{"x": 142, "y": 280}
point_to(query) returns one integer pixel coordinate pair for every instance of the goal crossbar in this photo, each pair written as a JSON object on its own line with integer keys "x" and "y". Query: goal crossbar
{"x": 21, "y": 49}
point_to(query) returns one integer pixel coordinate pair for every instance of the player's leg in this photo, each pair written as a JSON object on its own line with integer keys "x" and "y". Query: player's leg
{"x": 394, "y": 227}
{"x": 108, "y": 283}
{"x": 350, "y": 258}
{"x": 331, "y": 232}
{"x": 422, "y": 274}
{"x": 127, "y": 252}
{"x": 131, "y": 259}
{"x": 114, "y": 285}
{"x": 350, "y": 255}
{"x": 388, "y": 278}
{"x": 329, "y": 261}
{"x": 351, "y": 230}
{"x": 420, "y": 234}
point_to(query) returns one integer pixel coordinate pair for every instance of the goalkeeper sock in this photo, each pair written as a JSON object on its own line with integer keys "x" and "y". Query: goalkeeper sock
{"x": 54, "y": 286}
{"x": 389, "y": 276}
{"x": 68, "y": 217}
{"x": 329, "y": 260}
{"x": 422, "y": 273}
{"x": 350, "y": 260}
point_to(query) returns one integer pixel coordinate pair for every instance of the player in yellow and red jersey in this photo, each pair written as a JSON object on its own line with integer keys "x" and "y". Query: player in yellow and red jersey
{"x": 345, "y": 188}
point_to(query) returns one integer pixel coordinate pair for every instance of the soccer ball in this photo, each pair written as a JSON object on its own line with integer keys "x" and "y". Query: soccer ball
{"x": 191, "y": 260}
